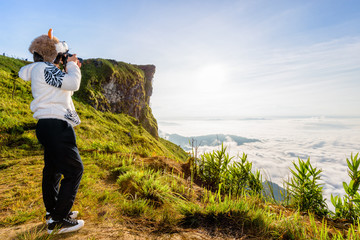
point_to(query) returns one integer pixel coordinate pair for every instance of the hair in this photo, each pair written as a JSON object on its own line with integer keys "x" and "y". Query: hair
{"x": 58, "y": 58}
{"x": 38, "y": 57}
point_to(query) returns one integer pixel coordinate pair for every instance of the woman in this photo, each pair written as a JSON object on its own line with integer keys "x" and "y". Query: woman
{"x": 53, "y": 107}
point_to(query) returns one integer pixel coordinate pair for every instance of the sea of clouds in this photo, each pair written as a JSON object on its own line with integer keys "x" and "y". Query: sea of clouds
{"x": 281, "y": 141}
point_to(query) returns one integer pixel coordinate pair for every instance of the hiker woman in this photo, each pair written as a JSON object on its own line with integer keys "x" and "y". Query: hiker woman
{"x": 53, "y": 107}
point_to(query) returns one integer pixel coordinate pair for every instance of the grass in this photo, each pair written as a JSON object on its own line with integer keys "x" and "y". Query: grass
{"x": 36, "y": 233}
{"x": 132, "y": 179}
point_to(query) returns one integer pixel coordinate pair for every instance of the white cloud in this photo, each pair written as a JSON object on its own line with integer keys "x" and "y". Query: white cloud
{"x": 328, "y": 142}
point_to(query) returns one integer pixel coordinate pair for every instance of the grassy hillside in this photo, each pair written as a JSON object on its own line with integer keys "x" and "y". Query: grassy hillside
{"x": 134, "y": 186}
{"x": 99, "y": 131}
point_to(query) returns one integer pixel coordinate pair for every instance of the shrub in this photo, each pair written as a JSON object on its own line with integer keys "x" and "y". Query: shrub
{"x": 212, "y": 168}
{"x": 305, "y": 189}
{"x": 241, "y": 177}
{"x": 349, "y": 207}
{"x": 217, "y": 173}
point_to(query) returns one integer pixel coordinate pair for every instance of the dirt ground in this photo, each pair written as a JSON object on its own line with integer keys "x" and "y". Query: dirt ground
{"x": 110, "y": 230}
{"x": 103, "y": 231}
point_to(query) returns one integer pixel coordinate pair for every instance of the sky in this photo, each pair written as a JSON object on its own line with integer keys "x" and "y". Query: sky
{"x": 214, "y": 59}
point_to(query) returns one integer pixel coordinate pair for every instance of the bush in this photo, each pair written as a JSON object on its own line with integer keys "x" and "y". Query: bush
{"x": 305, "y": 189}
{"x": 216, "y": 172}
{"x": 241, "y": 177}
{"x": 212, "y": 168}
{"x": 349, "y": 207}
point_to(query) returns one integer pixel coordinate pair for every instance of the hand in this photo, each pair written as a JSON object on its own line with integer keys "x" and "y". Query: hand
{"x": 73, "y": 58}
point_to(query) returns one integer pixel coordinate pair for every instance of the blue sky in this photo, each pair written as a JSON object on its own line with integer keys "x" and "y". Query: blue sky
{"x": 214, "y": 58}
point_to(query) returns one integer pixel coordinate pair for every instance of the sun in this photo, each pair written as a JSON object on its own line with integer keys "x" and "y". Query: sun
{"x": 210, "y": 78}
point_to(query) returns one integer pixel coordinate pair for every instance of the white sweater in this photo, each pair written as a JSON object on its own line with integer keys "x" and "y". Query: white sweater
{"x": 52, "y": 90}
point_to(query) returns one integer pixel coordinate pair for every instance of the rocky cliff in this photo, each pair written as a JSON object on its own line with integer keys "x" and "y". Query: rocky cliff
{"x": 119, "y": 87}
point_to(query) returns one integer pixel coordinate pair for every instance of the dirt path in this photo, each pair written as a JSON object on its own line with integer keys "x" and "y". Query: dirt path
{"x": 101, "y": 231}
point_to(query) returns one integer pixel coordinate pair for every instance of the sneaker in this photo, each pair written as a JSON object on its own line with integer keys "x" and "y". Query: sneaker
{"x": 65, "y": 225}
{"x": 71, "y": 215}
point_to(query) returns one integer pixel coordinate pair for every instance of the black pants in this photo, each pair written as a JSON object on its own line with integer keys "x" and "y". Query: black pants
{"x": 62, "y": 158}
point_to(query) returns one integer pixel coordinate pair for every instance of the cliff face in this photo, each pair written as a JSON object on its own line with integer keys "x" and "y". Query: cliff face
{"x": 149, "y": 71}
{"x": 121, "y": 88}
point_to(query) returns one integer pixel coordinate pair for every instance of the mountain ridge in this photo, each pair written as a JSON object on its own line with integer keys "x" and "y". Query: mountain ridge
{"x": 206, "y": 140}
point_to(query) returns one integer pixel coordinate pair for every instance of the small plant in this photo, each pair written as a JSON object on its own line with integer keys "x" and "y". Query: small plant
{"x": 305, "y": 189}
{"x": 212, "y": 168}
{"x": 217, "y": 173}
{"x": 349, "y": 207}
{"x": 241, "y": 177}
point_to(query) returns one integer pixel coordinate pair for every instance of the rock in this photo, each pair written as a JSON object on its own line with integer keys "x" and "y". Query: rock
{"x": 149, "y": 71}
{"x": 119, "y": 87}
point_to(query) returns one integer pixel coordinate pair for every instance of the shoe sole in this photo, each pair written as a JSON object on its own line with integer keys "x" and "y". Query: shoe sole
{"x": 75, "y": 228}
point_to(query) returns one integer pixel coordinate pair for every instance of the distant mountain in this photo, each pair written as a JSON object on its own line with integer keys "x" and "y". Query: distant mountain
{"x": 206, "y": 140}
{"x": 273, "y": 190}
